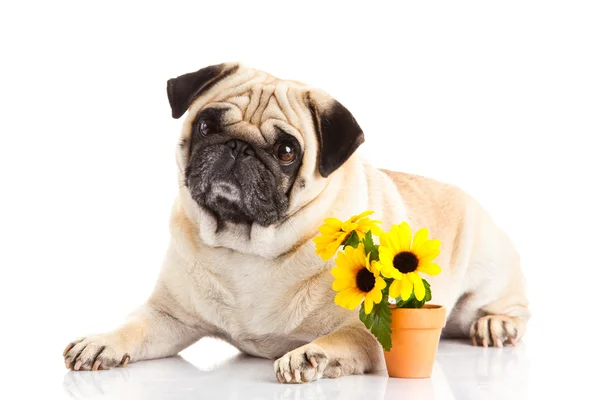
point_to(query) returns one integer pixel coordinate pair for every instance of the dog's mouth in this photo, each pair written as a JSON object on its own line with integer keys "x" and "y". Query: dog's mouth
{"x": 224, "y": 191}
{"x": 224, "y": 200}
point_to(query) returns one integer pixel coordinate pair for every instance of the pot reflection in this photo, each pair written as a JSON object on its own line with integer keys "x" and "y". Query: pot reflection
{"x": 490, "y": 373}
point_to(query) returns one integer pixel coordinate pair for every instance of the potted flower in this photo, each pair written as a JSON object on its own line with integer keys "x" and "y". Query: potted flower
{"x": 385, "y": 280}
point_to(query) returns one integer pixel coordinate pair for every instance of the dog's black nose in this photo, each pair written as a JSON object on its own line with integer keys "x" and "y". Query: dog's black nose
{"x": 240, "y": 147}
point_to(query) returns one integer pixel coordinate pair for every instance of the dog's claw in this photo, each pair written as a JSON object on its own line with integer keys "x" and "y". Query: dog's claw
{"x": 95, "y": 353}
{"x": 493, "y": 331}
{"x": 304, "y": 364}
{"x": 69, "y": 347}
{"x": 126, "y": 359}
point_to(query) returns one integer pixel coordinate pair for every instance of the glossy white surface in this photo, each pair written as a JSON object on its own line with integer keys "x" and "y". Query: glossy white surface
{"x": 461, "y": 372}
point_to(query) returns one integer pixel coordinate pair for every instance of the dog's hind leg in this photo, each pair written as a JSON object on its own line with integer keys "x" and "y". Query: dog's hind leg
{"x": 494, "y": 309}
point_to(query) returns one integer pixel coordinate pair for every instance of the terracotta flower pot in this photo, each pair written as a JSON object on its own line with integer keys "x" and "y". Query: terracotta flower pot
{"x": 415, "y": 338}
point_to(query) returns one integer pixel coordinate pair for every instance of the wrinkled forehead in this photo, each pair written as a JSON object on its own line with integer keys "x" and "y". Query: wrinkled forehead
{"x": 256, "y": 105}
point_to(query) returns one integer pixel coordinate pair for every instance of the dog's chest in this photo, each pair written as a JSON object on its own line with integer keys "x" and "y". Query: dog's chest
{"x": 249, "y": 298}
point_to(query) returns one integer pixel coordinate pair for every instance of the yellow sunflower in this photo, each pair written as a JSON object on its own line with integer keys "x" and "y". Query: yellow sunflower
{"x": 356, "y": 279}
{"x": 402, "y": 260}
{"x": 335, "y": 232}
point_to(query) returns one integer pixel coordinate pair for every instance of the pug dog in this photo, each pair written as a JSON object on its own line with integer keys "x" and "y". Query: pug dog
{"x": 261, "y": 163}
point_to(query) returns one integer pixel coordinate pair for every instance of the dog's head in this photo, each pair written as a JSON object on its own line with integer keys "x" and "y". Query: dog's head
{"x": 252, "y": 145}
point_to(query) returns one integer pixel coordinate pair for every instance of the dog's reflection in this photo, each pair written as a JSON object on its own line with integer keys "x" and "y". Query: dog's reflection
{"x": 461, "y": 371}
{"x": 152, "y": 379}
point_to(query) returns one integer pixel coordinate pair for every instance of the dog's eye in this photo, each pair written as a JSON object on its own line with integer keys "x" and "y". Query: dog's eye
{"x": 285, "y": 152}
{"x": 206, "y": 127}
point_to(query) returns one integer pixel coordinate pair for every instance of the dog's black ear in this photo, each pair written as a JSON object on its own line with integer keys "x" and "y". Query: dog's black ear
{"x": 338, "y": 133}
{"x": 184, "y": 89}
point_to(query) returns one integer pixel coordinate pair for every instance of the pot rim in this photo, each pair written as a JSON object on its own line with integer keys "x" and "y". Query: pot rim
{"x": 430, "y": 316}
{"x": 426, "y": 306}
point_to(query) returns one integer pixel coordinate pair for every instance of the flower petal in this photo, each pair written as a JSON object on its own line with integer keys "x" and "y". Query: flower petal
{"x": 393, "y": 239}
{"x": 428, "y": 249}
{"x": 323, "y": 241}
{"x": 377, "y": 231}
{"x": 379, "y": 284}
{"x": 327, "y": 253}
{"x": 395, "y": 288}
{"x": 404, "y": 237}
{"x": 420, "y": 238}
{"x": 327, "y": 246}
{"x": 343, "y": 297}
{"x": 376, "y": 295}
{"x": 373, "y": 267}
{"x": 431, "y": 255}
{"x": 406, "y": 287}
{"x": 384, "y": 241}
{"x": 362, "y": 215}
{"x": 342, "y": 273}
{"x": 368, "y": 224}
{"x": 429, "y": 268}
{"x": 367, "y": 263}
{"x": 386, "y": 252}
{"x": 333, "y": 222}
{"x": 356, "y": 300}
{"x": 342, "y": 260}
{"x": 387, "y": 270}
{"x": 328, "y": 229}
{"x": 368, "y": 305}
{"x": 418, "y": 284}
{"x": 349, "y": 226}
{"x": 357, "y": 256}
{"x": 342, "y": 284}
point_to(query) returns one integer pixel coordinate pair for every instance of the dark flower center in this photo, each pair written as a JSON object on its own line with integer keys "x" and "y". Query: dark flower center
{"x": 406, "y": 262}
{"x": 365, "y": 280}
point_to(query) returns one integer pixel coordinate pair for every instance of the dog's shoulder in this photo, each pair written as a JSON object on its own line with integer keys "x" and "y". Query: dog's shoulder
{"x": 420, "y": 190}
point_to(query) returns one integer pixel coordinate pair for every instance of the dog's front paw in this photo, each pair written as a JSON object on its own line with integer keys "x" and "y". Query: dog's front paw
{"x": 305, "y": 364}
{"x": 493, "y": 330}
{"x": 94, "y": 353}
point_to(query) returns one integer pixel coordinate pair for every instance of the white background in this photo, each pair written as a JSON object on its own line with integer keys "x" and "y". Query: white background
{"x": 500, "y": 98}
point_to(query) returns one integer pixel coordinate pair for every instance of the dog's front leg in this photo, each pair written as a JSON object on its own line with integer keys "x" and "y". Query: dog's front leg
{"x": 150, "y": 332}
{"x": 350, "y": 350}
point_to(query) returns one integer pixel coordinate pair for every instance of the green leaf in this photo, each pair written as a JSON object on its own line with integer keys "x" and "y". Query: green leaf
{"x": 427, "y": 291}
{"x": 370, "y": 246}
{"x": 379, "y": 322}
{"x": 353, "y": 240}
